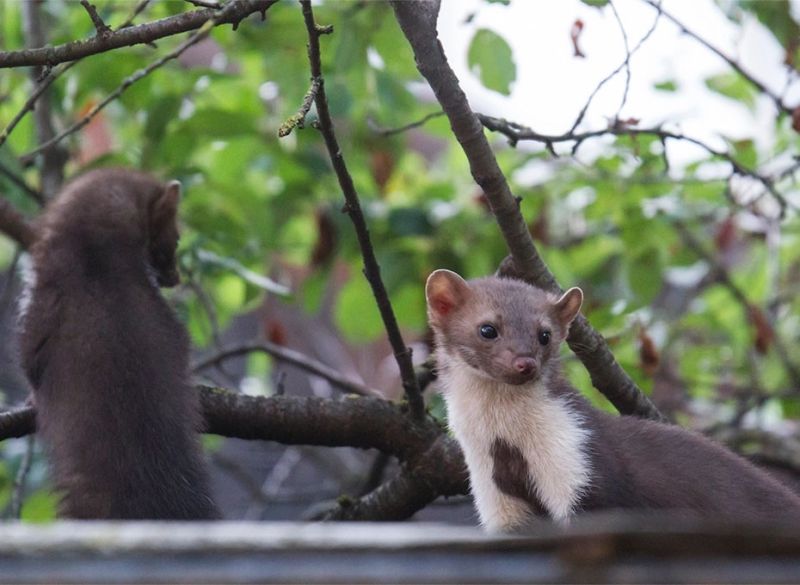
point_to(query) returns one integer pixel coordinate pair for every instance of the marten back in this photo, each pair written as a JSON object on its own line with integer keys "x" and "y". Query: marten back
{"x": 106, "y": 356}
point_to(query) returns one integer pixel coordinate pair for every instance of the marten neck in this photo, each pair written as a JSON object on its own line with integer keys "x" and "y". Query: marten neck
{"x": 535, "y": 423}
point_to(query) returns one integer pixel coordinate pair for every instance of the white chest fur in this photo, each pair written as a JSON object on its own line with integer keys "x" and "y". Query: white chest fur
{"x": 544, "y": 428}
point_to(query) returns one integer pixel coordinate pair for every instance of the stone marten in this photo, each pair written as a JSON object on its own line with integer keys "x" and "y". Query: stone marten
{"x": 106, "y": 356}
{"x": 536, "y": 448}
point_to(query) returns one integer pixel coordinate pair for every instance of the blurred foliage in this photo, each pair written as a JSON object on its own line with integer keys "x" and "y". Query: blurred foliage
{"x": 250, "y": 197}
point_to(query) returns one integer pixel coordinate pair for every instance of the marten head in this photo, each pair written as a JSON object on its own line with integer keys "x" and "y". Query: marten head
{"x": 105, "y": 213}
{"x": 504, "y": 329}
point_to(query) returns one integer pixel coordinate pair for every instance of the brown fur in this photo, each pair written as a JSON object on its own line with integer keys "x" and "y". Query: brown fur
{"x": 632, "y": 463}
{"x": 106, "y": 356}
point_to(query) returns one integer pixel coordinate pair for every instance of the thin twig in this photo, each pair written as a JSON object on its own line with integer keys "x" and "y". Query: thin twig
{"x": 402, "y": 352}
{"x": 627, "y": 62}
{"x": 299, "y": 119}
{"x": 53, "y": 74}
{"x": 516, "y": 132}
{"x": 613, "y": 74}
{"x": 292, "y": 357}
{"x": 103, "y": 30}
{"x": 733, "y": 64}
{"x": 724, "y": 278}
{"x": 233, "y": 8}
{"x": 234, "y": 12}
{"x": 392, "y": 131}
{"x": 20, "y": 182}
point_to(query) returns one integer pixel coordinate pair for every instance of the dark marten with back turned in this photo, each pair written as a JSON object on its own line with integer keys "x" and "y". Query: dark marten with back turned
{"x": 536, "y": 448}
{"x": 106, "y": 356}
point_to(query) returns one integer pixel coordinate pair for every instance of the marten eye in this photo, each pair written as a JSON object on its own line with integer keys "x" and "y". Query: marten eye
{"x": 544, "y": 336}
{"x": 487, "y": 331}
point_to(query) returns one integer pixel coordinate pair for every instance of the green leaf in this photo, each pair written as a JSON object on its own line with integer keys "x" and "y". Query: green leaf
{"x": 409, "y": 221}
{"x": 668, "y": 85}
{"x": 595, "y": 3}
{"x": 503, "y": 2}
{"x": 734, "y": 86}
{"x": 40, "y": 506}
{"x": 356, "y": 314}
{"x": 776, "y": 16}
{"x": 490, "y": 58}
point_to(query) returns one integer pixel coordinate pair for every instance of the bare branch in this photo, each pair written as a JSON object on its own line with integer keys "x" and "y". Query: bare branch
{"x": 418, "y": 22}
{"x": 17, "y": 422}
{"x": 392, "y": 131}
{"x": 15, "y": 226}
{"x": 52, "y": 75}
{"x": 299, "y": 119}
{"x": 412, "y": 489}
{"x": 733, "y": 64}
{"x": 53, "y": 159}
{"x": 234, "y": 8}
{"x": 20, "y": 182}
{"x": 235, "y": 12}
{"x": 613, "y": 74}
{"x": 517, "y": 132}
{"x": 402, "y": 353}
{"x": 101, "y": 27}
{"x": 293, "y": 357}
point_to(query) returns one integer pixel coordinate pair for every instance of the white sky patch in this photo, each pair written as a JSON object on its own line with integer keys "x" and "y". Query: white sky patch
{"x": 552, "y": 85}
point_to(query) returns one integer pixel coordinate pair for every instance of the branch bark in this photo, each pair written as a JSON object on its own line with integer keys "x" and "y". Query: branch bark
{"x": 372, "y": 271}
{"x": 15, "y": 226}
{"x": 418, "y": 22}
{"x": 134, "y": 35}
{"x": 433, "y": 464}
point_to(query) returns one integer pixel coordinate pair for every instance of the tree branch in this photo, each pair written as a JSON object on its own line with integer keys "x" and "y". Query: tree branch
{"x": 733, "y": 64}
{"x": 53, "y": 159}
{"x": 432, "y": 462}
{"x": 418, "y": 22}
{"x": 233, "y": 8}
{"x": 134, "y": 35}
{"x": 724, "y": 277}
{"x": 101, "y": 27}
{"x": 15, "y": 226}
{"x": 292, "y": 357}
{"x": 402, "y": 353}
{"x": 52, "y": 75}
{"x": 516, "y": 132}
{"x": 440, "y": 471}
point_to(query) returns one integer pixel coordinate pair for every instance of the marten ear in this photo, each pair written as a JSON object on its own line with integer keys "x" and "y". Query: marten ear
{"x": 568, "y": 305}
{"x": 444, "y": 291}
{"x": 164, "y": 212}
{"x": 164, "y": 234}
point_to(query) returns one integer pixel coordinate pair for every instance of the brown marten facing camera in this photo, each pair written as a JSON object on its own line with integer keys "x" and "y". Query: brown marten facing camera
{"x": 106, "y": 356}
{"x": 536, "y": 448}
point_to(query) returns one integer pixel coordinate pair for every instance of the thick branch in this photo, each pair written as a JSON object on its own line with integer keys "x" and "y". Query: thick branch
{"x": 372, "y": 270}
{"x": 440, "y": 471}
{"x": 134, "y": 35}
{"x": 418, "y": 21}
{"x": 361, "y": 422}
{"x": 15, "y": 226}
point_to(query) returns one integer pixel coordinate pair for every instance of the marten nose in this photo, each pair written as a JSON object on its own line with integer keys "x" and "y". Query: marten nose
{"x": 524, "y": 365}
